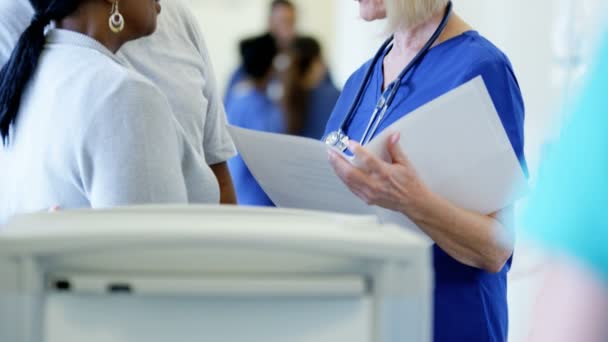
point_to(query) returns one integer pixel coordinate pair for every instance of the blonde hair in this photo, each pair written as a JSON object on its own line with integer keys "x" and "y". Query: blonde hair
{"x": 407, "y": 13}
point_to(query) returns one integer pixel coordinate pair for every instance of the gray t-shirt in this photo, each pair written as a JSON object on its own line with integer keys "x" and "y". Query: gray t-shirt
{"x": 176, "y": 59}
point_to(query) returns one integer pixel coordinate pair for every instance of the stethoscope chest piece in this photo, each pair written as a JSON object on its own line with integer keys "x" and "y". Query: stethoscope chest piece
{"x": 338, "y": 140}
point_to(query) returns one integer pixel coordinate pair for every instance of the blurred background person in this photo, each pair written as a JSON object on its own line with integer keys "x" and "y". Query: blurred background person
{"x": 176, "y": 59}
{"x": 282, "y": 23}
{"x": 282, "y": 27}
{"x": 310, "y": 94}
{"x": 251, "y": 107}
{"x": 567, "y": 213}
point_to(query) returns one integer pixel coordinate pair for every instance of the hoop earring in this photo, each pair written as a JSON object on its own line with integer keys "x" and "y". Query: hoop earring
{"x": 116, "y": 21}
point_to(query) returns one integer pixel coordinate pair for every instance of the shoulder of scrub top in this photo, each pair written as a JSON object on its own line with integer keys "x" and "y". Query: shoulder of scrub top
{"x": 484, "y": 59}
{"x": 355, "y": 80}
{"x": 345, "y": 98}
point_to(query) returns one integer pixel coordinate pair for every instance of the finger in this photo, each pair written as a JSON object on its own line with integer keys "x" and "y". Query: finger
{"x": 363, "y": 158}
{"x": 395, "y": 151}
{"x": 347, "y": 172}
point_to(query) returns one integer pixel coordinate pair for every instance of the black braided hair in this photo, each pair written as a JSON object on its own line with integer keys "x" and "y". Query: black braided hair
{"x": 17, "y": 72}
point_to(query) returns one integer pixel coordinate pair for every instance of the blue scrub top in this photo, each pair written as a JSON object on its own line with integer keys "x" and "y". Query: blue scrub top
{"x": 322, "y": 99}
{"x": 567, "y": 209}
{"x": 235, "y": 78}
{"x": 251, "y": 108}
{"x": 470, "y": 304}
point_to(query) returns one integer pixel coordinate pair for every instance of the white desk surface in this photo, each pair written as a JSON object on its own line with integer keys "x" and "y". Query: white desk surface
{"x": 73, "y": 231}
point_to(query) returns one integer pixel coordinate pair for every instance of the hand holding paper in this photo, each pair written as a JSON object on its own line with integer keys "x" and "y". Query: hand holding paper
{"x": 390, "y": 185}
{"x": 465, "y": 158}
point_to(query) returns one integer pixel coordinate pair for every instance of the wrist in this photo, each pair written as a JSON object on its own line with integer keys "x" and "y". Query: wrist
{"x": 422, "y": 206}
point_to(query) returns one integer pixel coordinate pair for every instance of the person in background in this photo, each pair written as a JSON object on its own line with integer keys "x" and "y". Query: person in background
{"x": 176, "y": 59}
{"x": 250, "y": 107}
{"x": 176, "y": 48}
{"x": 282, "y": 23}
{"x": 282, "y": 27}
{"x": 567, "y": 213}
{"x": 310, "y": 94}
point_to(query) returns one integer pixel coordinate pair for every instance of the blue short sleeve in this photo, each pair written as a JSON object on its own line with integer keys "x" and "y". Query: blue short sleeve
{"x": 567, "y": 210}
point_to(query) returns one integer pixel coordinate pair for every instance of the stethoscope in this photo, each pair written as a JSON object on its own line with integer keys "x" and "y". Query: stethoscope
{"x": 339, "y": 139}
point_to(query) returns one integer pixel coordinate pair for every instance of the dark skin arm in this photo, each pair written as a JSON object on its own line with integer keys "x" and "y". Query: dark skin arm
{"x": 227, "y": 193}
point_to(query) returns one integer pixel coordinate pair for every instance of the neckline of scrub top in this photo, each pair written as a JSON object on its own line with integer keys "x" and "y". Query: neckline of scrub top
{"x": 61, "y": 36}
{"x": 380, "y": 66}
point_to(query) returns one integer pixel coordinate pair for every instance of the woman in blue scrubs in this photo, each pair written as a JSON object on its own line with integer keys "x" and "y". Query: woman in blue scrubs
{"x": 250, "y": 107}
{"x": 310, "y": 93}
{"x": 472, "y": 252}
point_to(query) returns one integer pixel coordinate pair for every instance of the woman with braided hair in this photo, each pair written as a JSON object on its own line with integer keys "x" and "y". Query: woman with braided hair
{"x": 81, "y": 129}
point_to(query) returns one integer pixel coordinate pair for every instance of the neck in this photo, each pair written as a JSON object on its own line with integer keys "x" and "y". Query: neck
{"x": 414, "y": 38}
{"x": 90, "y": 20}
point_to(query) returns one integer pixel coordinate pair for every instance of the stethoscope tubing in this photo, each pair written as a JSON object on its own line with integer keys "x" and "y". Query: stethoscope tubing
{"x": 376, "y": 119}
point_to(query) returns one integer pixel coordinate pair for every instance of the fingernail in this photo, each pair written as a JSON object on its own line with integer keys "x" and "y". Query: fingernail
{"x": 395, "y": 138}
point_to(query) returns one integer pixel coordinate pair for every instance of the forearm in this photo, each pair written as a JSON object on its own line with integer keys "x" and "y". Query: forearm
{"x": 475, "y": 240}
{"x": 227, "y": 192}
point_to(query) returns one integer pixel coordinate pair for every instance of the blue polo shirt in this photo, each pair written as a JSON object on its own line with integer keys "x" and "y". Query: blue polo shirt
{"x": 470, "y": 304}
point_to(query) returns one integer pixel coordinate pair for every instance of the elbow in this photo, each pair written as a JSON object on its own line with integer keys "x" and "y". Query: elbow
{"x": 496, "y": 263}
{"x": 494, "y": 267}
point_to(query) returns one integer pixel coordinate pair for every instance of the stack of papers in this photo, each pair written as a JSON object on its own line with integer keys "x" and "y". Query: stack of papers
{"x": 456, "y": 143}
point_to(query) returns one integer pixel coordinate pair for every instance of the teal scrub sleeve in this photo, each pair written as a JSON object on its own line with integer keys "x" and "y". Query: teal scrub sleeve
{"x": 568, "y": 210}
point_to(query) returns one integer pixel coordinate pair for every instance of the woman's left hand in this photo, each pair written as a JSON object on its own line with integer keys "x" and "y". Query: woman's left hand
{"x": 473, "y": 239}
{"x": 394, "y": 186}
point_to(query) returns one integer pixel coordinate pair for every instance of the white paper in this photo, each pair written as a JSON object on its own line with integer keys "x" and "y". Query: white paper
{"x": 295, "y": 172}
{"x": 456, "y": 143}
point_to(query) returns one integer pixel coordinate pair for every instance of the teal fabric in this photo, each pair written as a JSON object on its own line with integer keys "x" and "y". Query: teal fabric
{"x": 568, "y": 210}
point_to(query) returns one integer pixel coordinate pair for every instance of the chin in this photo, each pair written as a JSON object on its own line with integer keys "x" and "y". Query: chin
{"x": 371, "y": 12}
{"x": 152, "y": 29}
